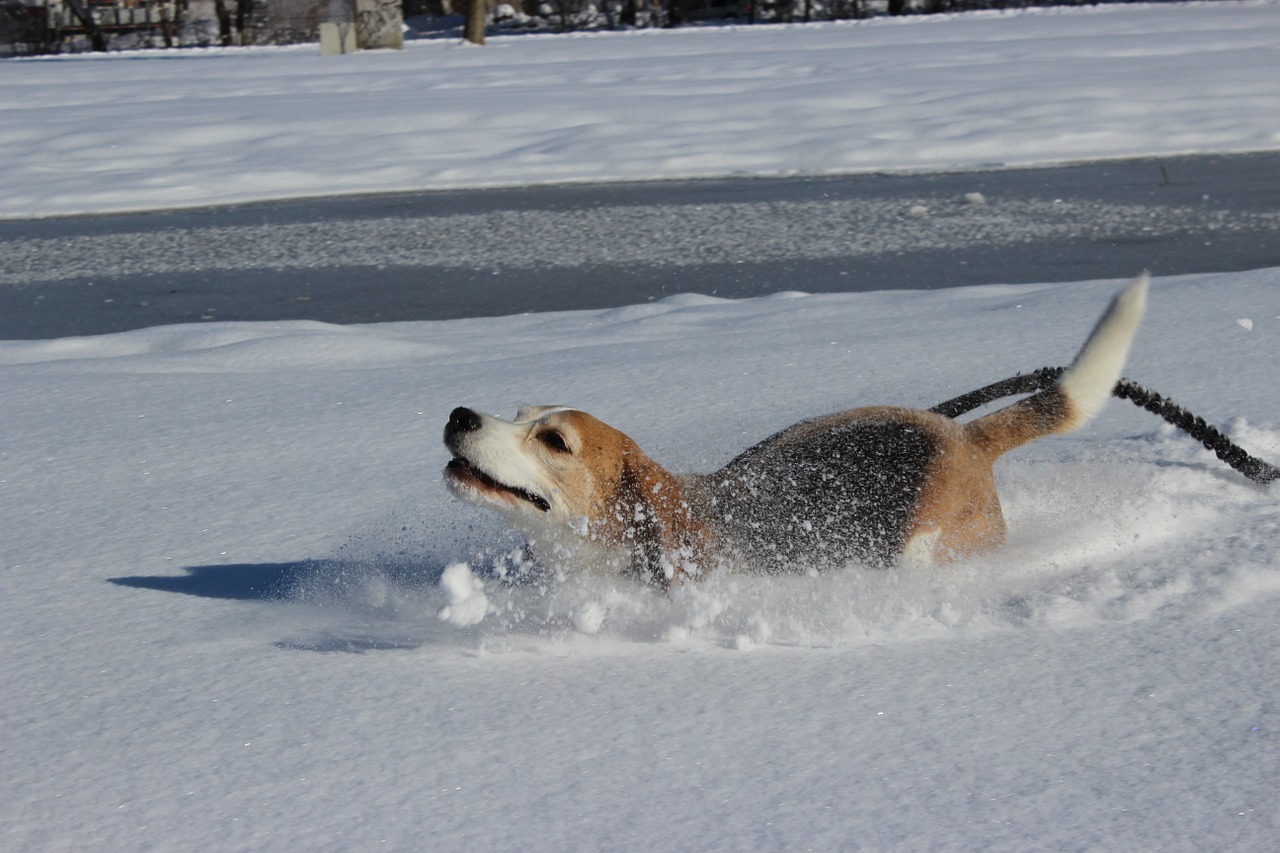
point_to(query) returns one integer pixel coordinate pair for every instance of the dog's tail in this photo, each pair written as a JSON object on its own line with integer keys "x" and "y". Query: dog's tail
{"x": 1083, "y": 388}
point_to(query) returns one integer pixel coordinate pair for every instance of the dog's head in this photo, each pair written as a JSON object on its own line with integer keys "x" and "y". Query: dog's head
{"x": 549, "y": 465}
{"x": 558, "y": 473}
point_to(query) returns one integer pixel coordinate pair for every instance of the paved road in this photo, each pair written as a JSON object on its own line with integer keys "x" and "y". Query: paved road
{"x": 443, "y": 255}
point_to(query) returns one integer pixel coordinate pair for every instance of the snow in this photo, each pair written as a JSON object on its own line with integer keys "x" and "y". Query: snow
{"x": 141, "y": 130}
{"x": 239, "y": 604}
{"x": 238, "y": 609}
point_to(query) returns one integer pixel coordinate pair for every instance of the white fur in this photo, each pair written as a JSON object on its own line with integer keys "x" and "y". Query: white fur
{"x": 919, "y": 550}
{"x": 496, "y": 449}
{"x": 1089, "y": 380}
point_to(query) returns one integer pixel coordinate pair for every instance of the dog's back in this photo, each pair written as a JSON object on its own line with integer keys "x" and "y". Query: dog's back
{"x": 828, "y": 490}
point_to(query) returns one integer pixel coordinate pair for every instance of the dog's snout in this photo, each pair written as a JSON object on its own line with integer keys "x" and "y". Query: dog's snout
{"x": 461, "y": 420}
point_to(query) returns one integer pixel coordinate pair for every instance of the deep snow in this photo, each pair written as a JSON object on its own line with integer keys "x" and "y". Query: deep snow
{"x": 223, "y": 596}
{"x": 239, "y": 611}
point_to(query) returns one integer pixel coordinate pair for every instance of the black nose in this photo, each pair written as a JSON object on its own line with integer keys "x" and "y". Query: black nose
{"x": 461, "y": 420}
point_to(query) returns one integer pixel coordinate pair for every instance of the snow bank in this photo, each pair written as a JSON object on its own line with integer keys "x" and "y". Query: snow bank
{"x": 160, "y": 129}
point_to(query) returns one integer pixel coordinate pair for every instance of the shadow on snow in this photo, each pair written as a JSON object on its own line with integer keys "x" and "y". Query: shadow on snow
{"x": 355, "y": 606}
{"x": 241, "y": 582}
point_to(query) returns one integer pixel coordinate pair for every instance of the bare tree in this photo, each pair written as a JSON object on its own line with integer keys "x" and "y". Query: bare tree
{"x": 224, "y": 22}
{"x": 97, "y": 39}
{"x": 171, "y": 27}
{"x": 243, "y": 8}
{"x": 473, "y": 28}
{"x": 232, "y": 31}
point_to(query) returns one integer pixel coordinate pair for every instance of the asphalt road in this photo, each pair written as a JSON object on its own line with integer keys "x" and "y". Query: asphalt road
{"x": 444, "y": 255}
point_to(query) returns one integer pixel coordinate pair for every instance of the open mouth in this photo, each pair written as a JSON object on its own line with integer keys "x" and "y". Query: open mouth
{"x": 463, "y": 471}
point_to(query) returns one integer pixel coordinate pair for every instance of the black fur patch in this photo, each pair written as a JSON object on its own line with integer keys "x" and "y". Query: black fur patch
{"x": 836, "y": 492}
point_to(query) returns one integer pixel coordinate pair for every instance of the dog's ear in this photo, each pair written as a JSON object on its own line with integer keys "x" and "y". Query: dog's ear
{"x": 658, "y": 526}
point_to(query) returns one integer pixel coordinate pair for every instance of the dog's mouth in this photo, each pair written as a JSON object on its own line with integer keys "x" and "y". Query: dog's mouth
{"x": 464, "y": 472}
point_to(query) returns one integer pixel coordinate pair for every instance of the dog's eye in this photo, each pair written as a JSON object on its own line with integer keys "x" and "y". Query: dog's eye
{"x": 554, "y": 440}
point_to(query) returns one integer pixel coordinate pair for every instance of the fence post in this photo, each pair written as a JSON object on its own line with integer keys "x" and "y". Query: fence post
{"x": 337, "y": 38}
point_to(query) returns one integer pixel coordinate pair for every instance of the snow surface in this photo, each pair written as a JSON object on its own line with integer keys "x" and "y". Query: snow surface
{"x": 238, "y": 610}
{"x": 192, "y": 127}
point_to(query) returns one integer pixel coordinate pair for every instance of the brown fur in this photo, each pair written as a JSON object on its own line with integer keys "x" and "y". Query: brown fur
{"x": 959, "y": 501}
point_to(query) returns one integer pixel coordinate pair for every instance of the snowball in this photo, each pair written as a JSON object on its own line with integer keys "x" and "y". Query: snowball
{"x": 1245, "y": 323}
{"x": 467, "y": 601}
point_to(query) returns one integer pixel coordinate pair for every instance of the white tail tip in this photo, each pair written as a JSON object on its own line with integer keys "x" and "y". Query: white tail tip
{"x": 1097, "y": 368}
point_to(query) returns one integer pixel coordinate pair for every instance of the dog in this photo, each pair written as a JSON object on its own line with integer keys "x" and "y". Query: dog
{"x": 879, "y": 486}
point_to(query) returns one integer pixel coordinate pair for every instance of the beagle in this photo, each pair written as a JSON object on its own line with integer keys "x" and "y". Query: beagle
{"x": 878, "y": 486}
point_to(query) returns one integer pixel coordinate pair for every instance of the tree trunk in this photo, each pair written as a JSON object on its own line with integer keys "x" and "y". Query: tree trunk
{"x": 224, "y": 22}
{"x": 244, "y": 8}
{"x": 171, "y": 27}
{"x": 473, "y": 29}
{"x": 97, "y": 40}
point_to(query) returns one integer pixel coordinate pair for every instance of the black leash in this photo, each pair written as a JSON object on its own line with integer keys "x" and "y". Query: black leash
{"x": 1025, "y": 383}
